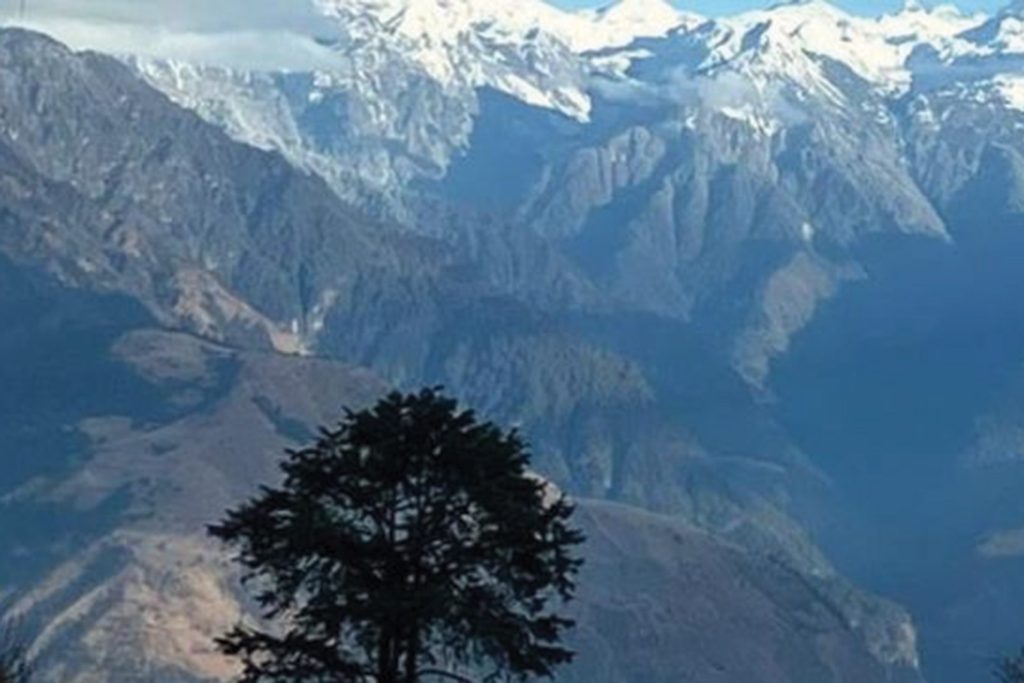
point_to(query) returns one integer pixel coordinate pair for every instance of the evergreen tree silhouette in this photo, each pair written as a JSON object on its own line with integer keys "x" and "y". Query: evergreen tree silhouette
{"x": 412, "y": 542}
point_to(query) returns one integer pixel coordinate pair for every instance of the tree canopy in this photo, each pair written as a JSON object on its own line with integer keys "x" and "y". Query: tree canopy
{"x": 410, "y": 542}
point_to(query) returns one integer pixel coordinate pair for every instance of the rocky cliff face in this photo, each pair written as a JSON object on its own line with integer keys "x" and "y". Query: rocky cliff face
{"x": 140, "y": 592}
{"x": 727, "y": 174}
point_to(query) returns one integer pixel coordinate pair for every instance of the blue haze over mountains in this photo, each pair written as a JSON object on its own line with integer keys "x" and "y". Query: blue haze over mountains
{"x": 747, "y": 284}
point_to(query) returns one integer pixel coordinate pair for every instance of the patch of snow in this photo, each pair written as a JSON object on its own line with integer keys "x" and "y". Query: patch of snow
{"x": 621, "y": 23}
{"x": 1011, "y": 89}
{"x": 515, "y": 46}
{"x": 916, "y": 25}
{"x": 1010, "y": 37}
{"x": 753, "y": 117}
{"x": 787, "y": 36}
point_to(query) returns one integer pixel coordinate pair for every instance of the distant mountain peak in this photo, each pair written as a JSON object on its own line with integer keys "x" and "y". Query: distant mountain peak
{"x": 817, "y": 5}
{"x": 622, "y": 22}
{"x": 915, "y": 8}
{"x": 1002, "y": 34}
{"x": 518, "y": 47}
{"x": 650, "y": 10}
{"x": 446, "y": 19}
{"x": 915, "y": 18}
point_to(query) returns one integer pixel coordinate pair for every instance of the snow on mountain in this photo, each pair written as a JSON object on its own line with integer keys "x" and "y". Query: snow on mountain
{"x": 817, "y": 29}
{"x": 767, "y": 66}
{"x": 875, "y": 49}
{"x": 543, "y": 56}
{"x": 1011, "y": 88}
{"x": 525, "y": 48}
{"x": 983, "y": 64}
{"x": 621, "y": 23}
{"x": 762, "y": 67}
{"x": 1002, "y": 34}
{"x": 1011, "y": 34}
{"x": 400, "y": 98}
{"x": 399, "y": 94}
{"x": 502, "y": 44}
{"x": 915, "y": 24}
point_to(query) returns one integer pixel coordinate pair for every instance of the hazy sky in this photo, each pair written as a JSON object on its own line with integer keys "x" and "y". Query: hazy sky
{"x": 711, "y": 7}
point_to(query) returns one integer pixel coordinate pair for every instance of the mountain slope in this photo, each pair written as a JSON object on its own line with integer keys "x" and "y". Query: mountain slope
{"x": 147, "y": 596}
{"x": 149, "y": 197}
{"x": 131, "y": 225}
{"x": 796, "y": 118}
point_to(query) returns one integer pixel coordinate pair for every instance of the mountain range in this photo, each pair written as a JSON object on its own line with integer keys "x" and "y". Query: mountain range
{"x": 746, "y": 283}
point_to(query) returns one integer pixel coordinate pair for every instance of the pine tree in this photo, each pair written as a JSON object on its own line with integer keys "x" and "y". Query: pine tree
{"x": 411, "y": 542}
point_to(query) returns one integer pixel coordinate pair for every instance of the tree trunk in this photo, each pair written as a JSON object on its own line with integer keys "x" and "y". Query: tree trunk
{"x": 412, "y": 654}
{"x": 383, "y": 656}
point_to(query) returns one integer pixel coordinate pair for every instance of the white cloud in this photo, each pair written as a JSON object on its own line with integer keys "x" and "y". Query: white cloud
{"x": 252, "y": 34}
{"x": 189, "y": 15}
{"x": 721, "y": 92}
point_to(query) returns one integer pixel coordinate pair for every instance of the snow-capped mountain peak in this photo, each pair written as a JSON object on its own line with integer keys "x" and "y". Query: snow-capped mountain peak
{"x": 652, "y": 9}
{"x": 442, "y": 21}
{"x": 445, "y": 22}
{"x": 414, "y": 78}
{"x": 786, "y": 40}
{"x": 875, "y": 48}
{"x": 997, "y": 37}
{"x": 1004, "y": 32}
{"x": 622, "y": 22}
{"x": 526, "y": 48}
{"x": 514, "y": 46}
{"x": 917, "y": 23}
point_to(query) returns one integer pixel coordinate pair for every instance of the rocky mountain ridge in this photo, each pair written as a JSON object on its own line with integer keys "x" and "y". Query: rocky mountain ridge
{"x": 815, "y": 126}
